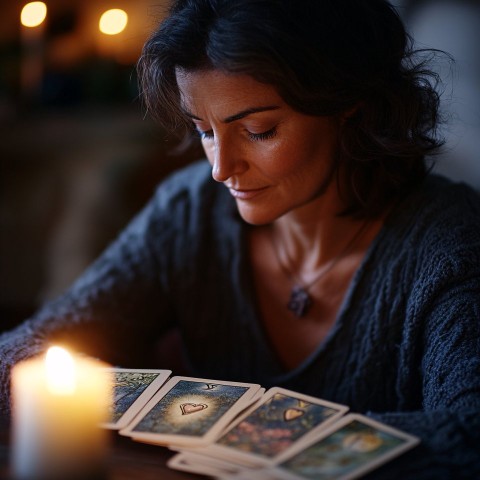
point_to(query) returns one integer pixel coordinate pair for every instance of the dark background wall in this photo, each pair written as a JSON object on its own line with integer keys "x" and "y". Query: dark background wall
{"x": 78, "y": 158}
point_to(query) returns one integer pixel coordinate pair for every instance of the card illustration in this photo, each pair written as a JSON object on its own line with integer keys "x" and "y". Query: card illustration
{"x": 127, "y": 388}
{"x": 276, "y": 425}
{"x": 347, "y": 452}
{"x": 131, "y": 390}
{"x": 190, "y": 408}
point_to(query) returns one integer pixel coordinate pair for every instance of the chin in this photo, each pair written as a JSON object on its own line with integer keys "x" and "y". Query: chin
{"x": 257, "y": 216}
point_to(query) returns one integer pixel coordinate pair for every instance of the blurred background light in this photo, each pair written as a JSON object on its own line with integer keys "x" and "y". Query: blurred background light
{"x": 33, "y": 14}
{"x": 113, "y": 22}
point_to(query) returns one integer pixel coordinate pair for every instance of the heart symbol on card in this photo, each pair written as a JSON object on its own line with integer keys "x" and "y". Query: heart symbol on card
{"x": 292, "y": 414}
{"x": 188, "y": 408}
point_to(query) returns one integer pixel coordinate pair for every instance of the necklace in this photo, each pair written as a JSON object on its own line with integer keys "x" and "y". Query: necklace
{"x": 300, "y": 300}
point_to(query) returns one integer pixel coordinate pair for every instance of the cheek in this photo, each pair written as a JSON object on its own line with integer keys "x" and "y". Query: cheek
{"x": 277, "y": 159}
{"x": 317, "y": 154}
{"x": 298, "y": 159}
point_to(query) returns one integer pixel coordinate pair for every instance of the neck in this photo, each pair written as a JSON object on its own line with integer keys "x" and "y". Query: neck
{"x": 310, "y": 246}
{"x": 314, "y": 233}
{"x": 319, "y": 249}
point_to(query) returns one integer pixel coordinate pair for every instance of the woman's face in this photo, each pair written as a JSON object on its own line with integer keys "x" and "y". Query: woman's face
{"x": 272, "y": 159}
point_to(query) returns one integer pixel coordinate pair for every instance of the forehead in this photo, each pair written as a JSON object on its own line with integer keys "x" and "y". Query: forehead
{"x": 214, "y": 89}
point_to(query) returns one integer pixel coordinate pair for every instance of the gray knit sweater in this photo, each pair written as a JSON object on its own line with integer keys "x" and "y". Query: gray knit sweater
{"x": 405, "y": 347}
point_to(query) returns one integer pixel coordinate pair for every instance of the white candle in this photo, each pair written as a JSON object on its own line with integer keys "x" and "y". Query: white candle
{"x": 59, "y": 402}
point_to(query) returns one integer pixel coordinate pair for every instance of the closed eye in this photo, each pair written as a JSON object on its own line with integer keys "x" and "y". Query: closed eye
{"x": 263, "y": 135}
{"x": 208, "y": 134}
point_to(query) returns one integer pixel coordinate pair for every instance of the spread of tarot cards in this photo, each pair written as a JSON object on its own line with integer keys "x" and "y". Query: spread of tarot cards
{"x": 235, "y": 430}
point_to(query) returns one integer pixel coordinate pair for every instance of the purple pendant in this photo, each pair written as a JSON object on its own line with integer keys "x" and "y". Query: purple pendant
{"x": 300, "y": 301}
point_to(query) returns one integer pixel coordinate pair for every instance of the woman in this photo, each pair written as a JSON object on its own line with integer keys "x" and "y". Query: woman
{"x": 321, "y": 257}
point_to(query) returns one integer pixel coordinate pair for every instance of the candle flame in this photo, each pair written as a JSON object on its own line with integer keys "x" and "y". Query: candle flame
{"x": 33, "y": 14}
{"x": 60, "y": 371}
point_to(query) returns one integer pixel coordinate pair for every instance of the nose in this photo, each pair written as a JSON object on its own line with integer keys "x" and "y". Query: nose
{"x": 226, "y": 159}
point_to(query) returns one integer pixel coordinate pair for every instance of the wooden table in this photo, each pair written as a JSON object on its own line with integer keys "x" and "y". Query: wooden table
{"x": 127, "y": 460}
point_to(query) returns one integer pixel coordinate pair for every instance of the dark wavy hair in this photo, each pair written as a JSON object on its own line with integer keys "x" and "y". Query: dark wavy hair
{"x": 324, "y": 57}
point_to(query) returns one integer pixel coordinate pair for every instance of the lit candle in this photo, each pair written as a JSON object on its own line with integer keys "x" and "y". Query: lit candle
{"x": 58, "y": 404}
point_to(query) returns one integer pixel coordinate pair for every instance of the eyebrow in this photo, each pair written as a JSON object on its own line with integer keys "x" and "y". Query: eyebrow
{"x": 239, "y": 115}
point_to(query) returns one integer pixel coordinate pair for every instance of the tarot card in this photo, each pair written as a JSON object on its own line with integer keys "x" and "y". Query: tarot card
{"x": 250, "y": 474}
{"x": 190, "y": 411}
{"x": 132, "y": 388}
{"x": 248, "y": 403}
{"x": 179, "y": 462}
{"x": 269, "y": 427}
{"x": 197, "y": 463}
{"x": 348, "y": 449}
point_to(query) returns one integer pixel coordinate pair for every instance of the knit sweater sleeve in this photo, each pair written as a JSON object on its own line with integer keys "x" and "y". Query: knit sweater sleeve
{"x": 111, "y": 311}
{"x": 449, "y": 427}
{"x": 447, "y": 349}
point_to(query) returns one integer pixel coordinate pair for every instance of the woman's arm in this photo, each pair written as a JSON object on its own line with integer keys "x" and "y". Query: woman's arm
{"x": 114, "y": 311}
{"x": 449, "y": 424}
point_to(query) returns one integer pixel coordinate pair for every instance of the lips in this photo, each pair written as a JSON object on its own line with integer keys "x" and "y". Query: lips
{"x": 246, "y": 194}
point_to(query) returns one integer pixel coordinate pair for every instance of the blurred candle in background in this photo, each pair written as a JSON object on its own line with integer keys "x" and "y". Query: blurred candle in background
{"x": 33, "y": 14}
{"x": 32, "y": 20}
{"x": 113, "y": 22}
{"x": 58, "y": 404}
{"x": 114, "y": 33}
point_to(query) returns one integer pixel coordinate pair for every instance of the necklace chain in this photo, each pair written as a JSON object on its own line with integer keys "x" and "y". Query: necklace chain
{"x": 300, "y": 300}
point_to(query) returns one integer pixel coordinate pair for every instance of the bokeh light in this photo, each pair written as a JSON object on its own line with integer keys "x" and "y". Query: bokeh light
{"x": 113, "y": 21}
{"x": 33, "y": 14}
